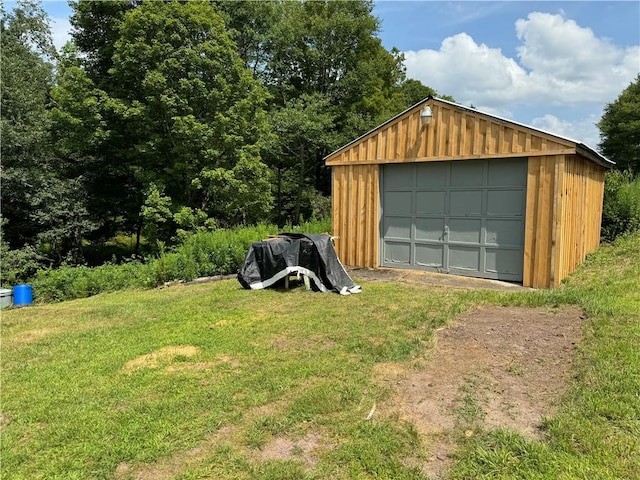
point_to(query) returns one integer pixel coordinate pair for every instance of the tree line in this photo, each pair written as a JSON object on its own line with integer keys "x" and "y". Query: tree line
{"x": 167, "y": 117}
{"x": 162, "y": 118}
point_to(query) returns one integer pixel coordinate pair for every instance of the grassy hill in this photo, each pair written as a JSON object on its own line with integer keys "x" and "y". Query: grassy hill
{"x": 208, "y": 381}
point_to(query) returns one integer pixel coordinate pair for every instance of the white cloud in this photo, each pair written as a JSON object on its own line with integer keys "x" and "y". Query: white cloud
{"x": 559, "y": 62}
{"x": 583, "y": 130}
{"x": 60, "y": 31}
{"x": 470, "y": 72}
{"x": 561, "y": 48}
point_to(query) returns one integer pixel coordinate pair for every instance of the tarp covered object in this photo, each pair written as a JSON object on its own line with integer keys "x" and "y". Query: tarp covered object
{"x": 290, "y": 253}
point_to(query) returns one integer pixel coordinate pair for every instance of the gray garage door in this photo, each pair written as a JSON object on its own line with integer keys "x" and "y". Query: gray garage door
{"x": 464, "y": 217}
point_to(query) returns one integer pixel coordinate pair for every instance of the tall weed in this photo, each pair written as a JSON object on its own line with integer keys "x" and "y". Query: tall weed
{"x": 68, "y": 282}
{"x": 202, "y": 254}
{"x": 621, "y": 209}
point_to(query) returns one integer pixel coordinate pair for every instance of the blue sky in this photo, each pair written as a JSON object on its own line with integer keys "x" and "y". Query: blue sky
{"x": 552, "y": 65}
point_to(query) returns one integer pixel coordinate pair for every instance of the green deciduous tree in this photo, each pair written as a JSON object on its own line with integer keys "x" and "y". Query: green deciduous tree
{"x": 318, "y": 51}
{"x": 620, "y": 129}
{"x": 304, "y": 130}
{"x": 96, "y": 29}
{"x": 92, "y": 137}
{"x": 250, "y": 25}
{"x": 24, "y": 84}
{"x": 197, "y": 112}
{"x": 163, "y": 98}
{"x": 323, "y": 53}
{"x": 41, "y": 205}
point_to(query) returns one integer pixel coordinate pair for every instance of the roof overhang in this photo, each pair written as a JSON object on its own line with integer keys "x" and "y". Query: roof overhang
{"x": 590, "y": 154}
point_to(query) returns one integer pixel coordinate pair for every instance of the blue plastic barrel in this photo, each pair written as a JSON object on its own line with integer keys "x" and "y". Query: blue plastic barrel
{"x": 22, "y": 295}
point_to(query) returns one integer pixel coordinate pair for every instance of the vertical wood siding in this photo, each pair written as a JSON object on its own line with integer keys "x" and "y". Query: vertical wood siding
{"x": 579, "y": 213}
{"x": 539, "y": 222}
{"x": 563, "y": 216}
{"x": 355, "y": 214}
{"x": 454, "y": 133}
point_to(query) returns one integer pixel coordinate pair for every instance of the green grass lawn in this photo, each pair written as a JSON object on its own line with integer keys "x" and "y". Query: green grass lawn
{"x": 195, "y": 382}
{"x": 596, "y": 435}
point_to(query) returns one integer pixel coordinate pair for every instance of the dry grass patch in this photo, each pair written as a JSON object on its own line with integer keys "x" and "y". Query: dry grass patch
{"x": 182, "y": 461}
{"x": 173, "y": 465}
{"x": 32, "y": 336}
{"x": 161, "y": 356}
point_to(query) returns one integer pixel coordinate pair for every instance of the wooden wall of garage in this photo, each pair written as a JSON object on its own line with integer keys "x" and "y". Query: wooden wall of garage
{"x": 563, "y": 216}
{"x": 356, "y": 210}
{"x": 579, "y": 195}
{"x": 539, "y": 221}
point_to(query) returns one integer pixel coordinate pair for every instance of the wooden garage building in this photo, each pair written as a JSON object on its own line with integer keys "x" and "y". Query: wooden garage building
{"x": 468, "y": 194}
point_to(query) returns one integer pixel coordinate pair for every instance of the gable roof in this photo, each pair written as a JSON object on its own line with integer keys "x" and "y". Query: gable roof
{"x": 580, "y": 148}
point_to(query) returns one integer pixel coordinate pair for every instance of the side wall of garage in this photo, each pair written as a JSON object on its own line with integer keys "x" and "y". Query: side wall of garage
{"x": 564, "y": 214}
{"x": 579, "y": 213}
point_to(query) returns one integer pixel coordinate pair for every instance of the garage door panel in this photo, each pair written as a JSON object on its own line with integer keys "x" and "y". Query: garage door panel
{"x": 466, "y": 202}
{"x": 464, "y": 217}
{"x": 464, "y": 258}
{"x": 429, "y": 255}
{"x": 397, "y": 253}
{"x": 431, "y": 203}
{"x": 506, "y": 172}
{"x": 504, "y": 232}
{"x": 469, "y": 173}
{"x": 465, "y": 230}
{"x": 505, "y": 202}
{"x": 400, "y": 176}
{"x": 504, "y": 262}
{"x": 397, "y": 203}
{"x": 429, "y": 229}
{"x": 398, "y": 227}
{"x": 432, "y": 174}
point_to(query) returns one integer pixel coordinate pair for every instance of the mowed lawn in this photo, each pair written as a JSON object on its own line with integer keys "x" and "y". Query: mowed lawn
{"x": 213, "y": 381}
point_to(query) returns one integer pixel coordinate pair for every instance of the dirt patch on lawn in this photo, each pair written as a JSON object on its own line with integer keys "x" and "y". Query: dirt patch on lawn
{"x": 303, "y": 449}
{"x": 171, "y": 466}
{"x": 286, "y": 448}
{"x": 494, "y": 367}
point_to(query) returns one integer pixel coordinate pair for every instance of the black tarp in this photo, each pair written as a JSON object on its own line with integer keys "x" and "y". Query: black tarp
{"x": 290, "y": 253}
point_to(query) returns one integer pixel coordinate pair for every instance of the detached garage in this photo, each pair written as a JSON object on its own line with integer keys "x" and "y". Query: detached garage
{"x": 446, "y": 188}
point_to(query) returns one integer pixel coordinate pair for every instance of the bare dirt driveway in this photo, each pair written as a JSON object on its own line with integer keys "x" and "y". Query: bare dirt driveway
{"x": 492, "y": 367}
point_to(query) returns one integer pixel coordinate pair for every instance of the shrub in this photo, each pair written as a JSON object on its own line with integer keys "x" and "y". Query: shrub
{"x": 222, "y": 251}
{"x": 202, "y": 254}
{"x": 18, "y": 265}
{"x": 213, "y": 253}
{"x": 68, "y": 282}
{"x": 621, "y": 209}
{"x": 310, "y": 226}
